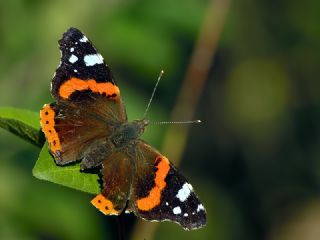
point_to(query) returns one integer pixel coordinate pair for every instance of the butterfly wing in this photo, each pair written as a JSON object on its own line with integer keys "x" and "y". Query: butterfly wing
{"x": 88, "y": 104}
{"x": 82, "y": 68}
{"x": 117, "y": 176}
{"x": 161, "y": 193}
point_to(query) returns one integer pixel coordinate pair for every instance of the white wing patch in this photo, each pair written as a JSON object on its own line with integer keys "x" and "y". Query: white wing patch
{"x": 184, "y": 192}
{"x": 83, "y": 39}
{"x": 93, "y": 59}
{"x": 73, "y": 58}
{"x": 177, "y": 210}
{"x": 200, "y": 207}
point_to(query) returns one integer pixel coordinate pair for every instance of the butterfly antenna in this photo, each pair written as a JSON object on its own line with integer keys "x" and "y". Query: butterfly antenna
{"x": 178, "y": 122}
{"x": 154, "y": 90}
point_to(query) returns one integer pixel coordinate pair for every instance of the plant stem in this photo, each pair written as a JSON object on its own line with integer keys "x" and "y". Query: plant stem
{"x": 197, "y": 73}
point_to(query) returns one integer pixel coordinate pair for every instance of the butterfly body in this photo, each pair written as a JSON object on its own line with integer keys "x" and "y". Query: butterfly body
{"x": 127, "y": 133}
{"x": 88, "y": 123}
{"x": 123, "y": 139}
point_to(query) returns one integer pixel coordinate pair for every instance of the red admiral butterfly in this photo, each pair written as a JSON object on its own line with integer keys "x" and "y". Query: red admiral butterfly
{"x": 88, "y": 122}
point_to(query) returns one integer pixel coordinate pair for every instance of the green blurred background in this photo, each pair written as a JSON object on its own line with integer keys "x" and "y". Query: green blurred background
{"x": 254, "y": 161}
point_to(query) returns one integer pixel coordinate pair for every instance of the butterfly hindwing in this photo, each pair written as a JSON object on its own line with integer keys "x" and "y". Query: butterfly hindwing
{"x": 116, "y": 175}
{"x": 161, "y": 193}
{"x": 66, "y": 130}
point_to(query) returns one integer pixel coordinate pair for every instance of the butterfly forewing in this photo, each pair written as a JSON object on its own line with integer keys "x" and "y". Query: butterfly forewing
{"x": 88, "y": 104}
{"x": 79, "y": 60}
{"x": 161, "y": 193}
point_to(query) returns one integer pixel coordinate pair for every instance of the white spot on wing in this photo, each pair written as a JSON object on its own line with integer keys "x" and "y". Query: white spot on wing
{"x": 75, "y": 70}
{"x": 200, "y": 207}
{"x": 186, "y": 215}
{"x": 73, "y": 58}
{"x": 60, "y": 58}
{"x": 71, "y": 49}
{"x": 83, "y": 39}
{"x": 167, "y": 204}
{"x": 93, "y": 59}
{"x": 177, "y": 210}
{"x": 184, "y": 192}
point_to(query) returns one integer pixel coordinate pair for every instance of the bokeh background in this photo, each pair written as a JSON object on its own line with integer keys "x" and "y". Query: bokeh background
{"x": 254, "y": 160}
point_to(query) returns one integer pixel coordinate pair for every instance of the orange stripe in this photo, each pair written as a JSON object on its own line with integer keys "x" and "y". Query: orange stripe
{"x": 104, "y": 205}
{"x": 153, "y": 198}
{"x": 47, "y": 116}
{"x": 76, "y": 84}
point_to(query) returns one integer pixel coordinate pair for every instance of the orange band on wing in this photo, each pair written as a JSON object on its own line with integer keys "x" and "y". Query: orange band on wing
{"x": 76, "y": 84}
{"x": 153, "y": 198}
{"x": 47, "y": 116}
{"x": 104, "y": 205}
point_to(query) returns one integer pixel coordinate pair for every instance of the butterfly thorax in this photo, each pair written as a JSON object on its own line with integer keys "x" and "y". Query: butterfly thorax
{"x": 128, "y": 132}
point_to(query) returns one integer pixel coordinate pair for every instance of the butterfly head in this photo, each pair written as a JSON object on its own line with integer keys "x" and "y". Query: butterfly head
{"x": 140, "y": 125}
{"x": 129, "y": 132}
{"x": 137, "y": 128}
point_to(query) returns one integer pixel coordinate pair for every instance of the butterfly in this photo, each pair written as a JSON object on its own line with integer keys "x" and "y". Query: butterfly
{"x": 88, "y": 123}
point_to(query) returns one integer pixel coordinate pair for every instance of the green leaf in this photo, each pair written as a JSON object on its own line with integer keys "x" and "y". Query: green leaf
{"x": 22, "y": 123}
{"x": 26, "y": 125}
{"x": 69, "y": 176}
